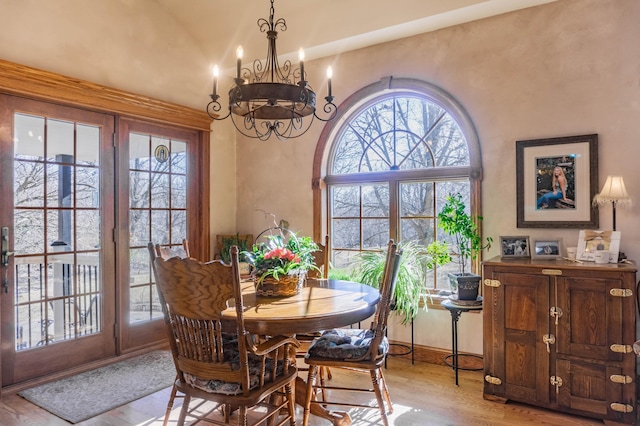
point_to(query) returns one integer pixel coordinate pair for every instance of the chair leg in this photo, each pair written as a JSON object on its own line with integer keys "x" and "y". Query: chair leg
{"x": 242, "y": 416}
{"x": 378, "y": 391}
{"x": 183, "y": 411}
{"x": 385, "y": 391}
{"x": 172, "y": 398}
{"x": 291, "y": 402}
{"x": 311, "y": 378}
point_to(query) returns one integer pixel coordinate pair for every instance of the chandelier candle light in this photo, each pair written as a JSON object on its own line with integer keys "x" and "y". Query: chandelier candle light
{"x": 266, "y": 100}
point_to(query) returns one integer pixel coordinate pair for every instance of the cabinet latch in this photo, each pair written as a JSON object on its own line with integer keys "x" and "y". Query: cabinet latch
{"x": 556, "y": 381}
{"x": 621, "y": 292}
{"x": 621, "y": 349}
{"x": 555, "y": 312}
{"x": 492, "y": 283}
{"x": 619, "y": 378}
{"x": 549, "y": 339}
{"x": 621, "y": 408}
{"x": 492, "y": 380}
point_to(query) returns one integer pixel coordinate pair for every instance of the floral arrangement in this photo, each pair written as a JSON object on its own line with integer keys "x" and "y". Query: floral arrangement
{"x": 279, "y": 256}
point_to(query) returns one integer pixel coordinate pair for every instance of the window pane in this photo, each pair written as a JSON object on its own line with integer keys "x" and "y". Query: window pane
{"x": 28, "y": 184}
{"x": 28, "y": 137}
{"x": 139, "y": 233}
{"x": 375, "y": 233}
{"x": 400, "y": 132}
{"x": 346, "y": 201}
{"x": 139, "y": 156}
{"x": 87, "y": 145}
{"x": 159, "y": 190}
{"x": 138, "y": 189}
{"x": 88, "y": 187}
{"x": 159, "y": 166}
{"x": 60, "y": 140}
{"x": 346, "y": 233}
{"x": 416, "y": 199}
{"x": 90, "y": 235}
{"x": 178, "y": 157}
{"x": 375, "y": 201}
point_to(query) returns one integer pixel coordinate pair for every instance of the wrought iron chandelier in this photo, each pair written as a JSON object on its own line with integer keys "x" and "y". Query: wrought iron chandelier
{"x": 266, "y": 101}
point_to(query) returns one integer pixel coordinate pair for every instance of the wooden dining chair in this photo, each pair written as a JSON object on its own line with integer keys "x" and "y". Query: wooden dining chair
{"x": 168, "y": 252}
{"x": 156, "y": 250}
{"x": 231, "y": 370}
{"x": 321, "y": 259}
{"x": 362, "y": 350}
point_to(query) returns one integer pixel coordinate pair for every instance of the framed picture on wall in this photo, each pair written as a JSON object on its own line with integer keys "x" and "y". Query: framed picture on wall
{"x": 513, "y": 247}
{"x": 550, "y": 248}
{"x": 556, "y": 180}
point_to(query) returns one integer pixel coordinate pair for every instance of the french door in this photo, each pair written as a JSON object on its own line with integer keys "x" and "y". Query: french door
{"x": 78, "y": 209}
{"x": 156, "y": 192}
{"x": 57, "y": 217}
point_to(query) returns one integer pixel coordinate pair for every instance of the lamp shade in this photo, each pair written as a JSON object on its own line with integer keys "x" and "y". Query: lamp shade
{"x": 614, "y": 191}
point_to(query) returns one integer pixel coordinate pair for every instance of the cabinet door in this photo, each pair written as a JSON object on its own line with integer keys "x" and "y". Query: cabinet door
{"x": 516, "y": 318}
{"x": 595, "y": 320}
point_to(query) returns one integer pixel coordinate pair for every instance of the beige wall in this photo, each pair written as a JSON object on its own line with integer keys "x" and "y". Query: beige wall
{"x": 565, "y": 68}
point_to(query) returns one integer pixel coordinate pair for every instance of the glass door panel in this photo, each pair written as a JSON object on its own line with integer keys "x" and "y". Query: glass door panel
{"x": 56, "y": 223}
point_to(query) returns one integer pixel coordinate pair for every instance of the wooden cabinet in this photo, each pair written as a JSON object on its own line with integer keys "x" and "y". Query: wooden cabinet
{"x": 558, "y": 334}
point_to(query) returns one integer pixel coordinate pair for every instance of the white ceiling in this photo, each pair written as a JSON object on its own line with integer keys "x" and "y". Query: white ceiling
{"x": 322, "y": 27}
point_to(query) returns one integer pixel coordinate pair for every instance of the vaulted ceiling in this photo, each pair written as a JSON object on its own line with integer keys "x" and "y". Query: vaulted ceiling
{"x": 322, "y": 27}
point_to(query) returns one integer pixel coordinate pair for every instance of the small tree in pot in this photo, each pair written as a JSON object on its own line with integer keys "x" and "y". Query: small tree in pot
{"x": 467, "y": 244}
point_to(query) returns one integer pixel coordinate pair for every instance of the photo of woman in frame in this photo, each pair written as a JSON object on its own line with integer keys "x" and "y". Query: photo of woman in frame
{"x": 555, "y": 183}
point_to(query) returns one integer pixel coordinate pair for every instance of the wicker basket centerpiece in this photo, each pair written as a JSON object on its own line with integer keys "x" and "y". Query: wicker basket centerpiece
{"x": 284, "y": 285}
{"x": 280, "y": 262}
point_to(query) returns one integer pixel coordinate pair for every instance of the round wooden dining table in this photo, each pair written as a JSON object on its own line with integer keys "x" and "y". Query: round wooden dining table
{"x": 321, "y": 304}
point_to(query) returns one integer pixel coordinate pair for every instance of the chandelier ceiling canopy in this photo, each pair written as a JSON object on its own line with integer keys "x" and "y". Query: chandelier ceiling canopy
{"x": 266, "y": 100}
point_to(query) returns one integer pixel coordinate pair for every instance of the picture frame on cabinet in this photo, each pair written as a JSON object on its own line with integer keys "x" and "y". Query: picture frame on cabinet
{"x": 549, "y": 248}
{"x": 556, "y": 179}
{"x": 514, "y": 247}
{"x": 589, "y": 241}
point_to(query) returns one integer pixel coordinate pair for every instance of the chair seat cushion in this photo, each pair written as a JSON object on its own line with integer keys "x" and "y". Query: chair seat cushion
{"x": 232, "y": 388}
{"x": 232, "y": 356}
{"x": 345, "y": 343}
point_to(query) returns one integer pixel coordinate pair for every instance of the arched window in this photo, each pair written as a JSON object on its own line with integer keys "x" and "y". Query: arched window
{"x": 387, "y": 163}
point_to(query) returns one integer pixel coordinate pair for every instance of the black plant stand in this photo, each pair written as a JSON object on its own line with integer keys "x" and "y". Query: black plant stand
{"x": 456, "y": 311}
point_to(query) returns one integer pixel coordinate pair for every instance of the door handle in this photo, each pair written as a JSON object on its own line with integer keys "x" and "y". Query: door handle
{"x": 5, "y": 247}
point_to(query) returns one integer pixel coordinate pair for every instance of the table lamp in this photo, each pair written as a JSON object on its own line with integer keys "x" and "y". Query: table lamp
{"x": 613, "y": 191}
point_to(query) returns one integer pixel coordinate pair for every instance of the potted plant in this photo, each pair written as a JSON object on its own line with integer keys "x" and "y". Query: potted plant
{"x": 243, "y": 242}
{"x": 415, "y": 262}
{"x": 467, "y": 243}
{"x": 280, "y": 264}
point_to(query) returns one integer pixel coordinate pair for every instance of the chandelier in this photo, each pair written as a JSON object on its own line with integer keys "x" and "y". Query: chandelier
{"x": 266, "y": 100}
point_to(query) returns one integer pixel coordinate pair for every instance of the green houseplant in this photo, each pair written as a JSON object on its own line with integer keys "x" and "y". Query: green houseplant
{"x": 466, "y": 244}
{"x": 280, "y": 262}
{"x": 415, "y": 263}
{"x": 243, "y": 242}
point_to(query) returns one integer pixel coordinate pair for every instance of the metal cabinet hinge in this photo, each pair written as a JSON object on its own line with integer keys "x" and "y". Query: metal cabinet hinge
{"x": 492, "y": 380}
{"x": 557, "y": 382}
{"x": 621, "y": 349}
{"x": 619, "y": 378}
{"x": 621, "y": 408}
{"x": 492, "y": 283}
{"x": 621, "y": 292}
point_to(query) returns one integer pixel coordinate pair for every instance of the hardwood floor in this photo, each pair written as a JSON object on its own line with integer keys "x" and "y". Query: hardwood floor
{"x": 423, "y": 395}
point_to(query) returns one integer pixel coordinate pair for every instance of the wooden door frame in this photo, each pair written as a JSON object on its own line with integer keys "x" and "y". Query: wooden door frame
{"x": 21, "y": 80}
